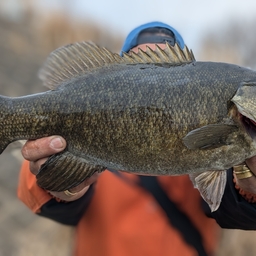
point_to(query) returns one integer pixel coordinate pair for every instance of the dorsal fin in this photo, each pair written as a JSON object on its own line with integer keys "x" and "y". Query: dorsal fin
{"x": 74, "y": 60}
{"x": 77, "y": 59}
{"x": 170, "y": 54}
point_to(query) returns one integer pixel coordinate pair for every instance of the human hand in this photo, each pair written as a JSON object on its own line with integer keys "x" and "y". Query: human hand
{"x": 38, "y": 151}
{"x": 249, "y": 184}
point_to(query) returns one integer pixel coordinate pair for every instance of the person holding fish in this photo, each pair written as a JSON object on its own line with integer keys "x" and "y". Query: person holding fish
{"x": 117, "y": 213}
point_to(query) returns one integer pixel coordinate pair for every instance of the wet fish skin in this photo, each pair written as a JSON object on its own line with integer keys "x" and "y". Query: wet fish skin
{"x": 125, "y": 119}
{"x": 133, "y": 117}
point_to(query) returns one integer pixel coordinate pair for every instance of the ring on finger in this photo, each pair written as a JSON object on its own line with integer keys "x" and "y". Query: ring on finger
{"x": 69, "y": 193}
{"x": 242, "y": 171}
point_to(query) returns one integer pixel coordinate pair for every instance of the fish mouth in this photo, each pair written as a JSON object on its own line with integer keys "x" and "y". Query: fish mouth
{"x": 245, "y": 118}
{"x": 249, "y": 125}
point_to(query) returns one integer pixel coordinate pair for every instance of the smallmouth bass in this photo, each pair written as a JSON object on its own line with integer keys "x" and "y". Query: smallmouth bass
{"x": 153, "y": 113}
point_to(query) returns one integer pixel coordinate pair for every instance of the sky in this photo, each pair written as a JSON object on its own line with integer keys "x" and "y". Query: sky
{"x": 192, "y": 18}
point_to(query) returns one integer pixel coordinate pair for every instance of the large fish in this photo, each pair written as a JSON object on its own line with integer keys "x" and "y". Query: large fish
{"x": 153, "y": 113}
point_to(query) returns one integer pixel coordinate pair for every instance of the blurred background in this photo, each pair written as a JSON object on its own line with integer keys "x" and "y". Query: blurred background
{"x": 30, "y": 29}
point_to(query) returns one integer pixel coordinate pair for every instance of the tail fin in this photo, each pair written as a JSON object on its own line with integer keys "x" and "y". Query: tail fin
{"x": 3, "y": 144}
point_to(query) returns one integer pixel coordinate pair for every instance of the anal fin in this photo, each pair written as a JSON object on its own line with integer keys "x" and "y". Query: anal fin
{"x": 64, "y": 170}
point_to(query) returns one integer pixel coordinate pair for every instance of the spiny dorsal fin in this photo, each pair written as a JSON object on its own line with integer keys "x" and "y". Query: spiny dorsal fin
{"x": 170, "y": 54}
{"x": 77, "y": 59}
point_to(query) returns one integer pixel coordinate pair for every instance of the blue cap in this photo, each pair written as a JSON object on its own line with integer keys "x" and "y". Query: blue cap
{"x": 131, "y": 39}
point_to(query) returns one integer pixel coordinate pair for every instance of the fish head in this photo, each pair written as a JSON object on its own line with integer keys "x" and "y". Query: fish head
{"x": 245, "y": 102}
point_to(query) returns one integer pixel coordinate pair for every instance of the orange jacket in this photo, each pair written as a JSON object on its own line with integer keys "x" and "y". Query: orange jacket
{"x": 123, "y": 219}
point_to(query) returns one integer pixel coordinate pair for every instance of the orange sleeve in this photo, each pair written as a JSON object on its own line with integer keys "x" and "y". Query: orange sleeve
{"x": 29, "y": 192}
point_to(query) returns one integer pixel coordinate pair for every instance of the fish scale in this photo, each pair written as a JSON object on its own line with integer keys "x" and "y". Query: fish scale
{"x": 173, "y": 99}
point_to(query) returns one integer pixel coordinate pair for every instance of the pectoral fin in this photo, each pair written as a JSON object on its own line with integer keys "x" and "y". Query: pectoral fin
{"x": 65, "y": 170}
{"x": 211, "y": 186}
{"x": 209, "y": 136}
